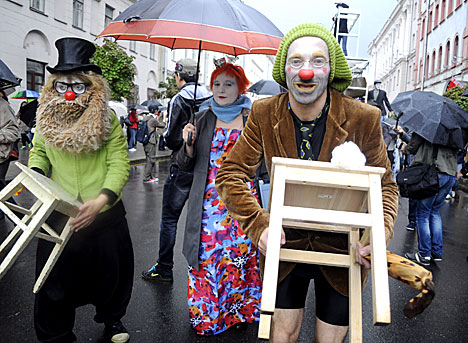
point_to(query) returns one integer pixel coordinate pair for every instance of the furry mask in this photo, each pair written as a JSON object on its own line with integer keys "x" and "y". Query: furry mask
{"x": 80, "y": 125}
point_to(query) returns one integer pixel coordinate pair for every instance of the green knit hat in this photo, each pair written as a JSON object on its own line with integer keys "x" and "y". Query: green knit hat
{"x": 340, "y": 75}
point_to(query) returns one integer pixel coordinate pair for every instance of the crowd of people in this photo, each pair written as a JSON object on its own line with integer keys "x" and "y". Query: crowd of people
{"x": 83, "y": 147}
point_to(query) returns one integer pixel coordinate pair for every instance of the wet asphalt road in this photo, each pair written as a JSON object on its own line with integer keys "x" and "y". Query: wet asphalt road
{"x": 158, "y": 312}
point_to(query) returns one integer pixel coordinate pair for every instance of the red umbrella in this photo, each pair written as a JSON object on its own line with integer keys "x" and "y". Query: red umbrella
{"x": 227, "y": 26}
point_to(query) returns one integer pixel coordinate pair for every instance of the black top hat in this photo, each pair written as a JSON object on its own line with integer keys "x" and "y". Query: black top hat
{"x": 74, "y": 55}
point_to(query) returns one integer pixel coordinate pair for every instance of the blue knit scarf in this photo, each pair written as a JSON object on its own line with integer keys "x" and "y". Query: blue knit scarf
{"x": 227, "y": 113}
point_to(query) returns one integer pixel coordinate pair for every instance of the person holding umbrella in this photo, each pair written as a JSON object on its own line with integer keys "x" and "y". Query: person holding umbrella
{"x": 308, "y": 122}
{"x": 224, "y": 287}
{"x": 428, "y": 219}
{"x": 178, "y": 182}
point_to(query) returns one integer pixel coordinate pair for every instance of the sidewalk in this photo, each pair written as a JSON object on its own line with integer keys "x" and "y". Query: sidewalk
{"x": 136, "y": 158}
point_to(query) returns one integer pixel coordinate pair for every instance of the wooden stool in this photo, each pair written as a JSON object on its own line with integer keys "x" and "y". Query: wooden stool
{"x": 319, "y": 196}
{"x": 50, "y": 196}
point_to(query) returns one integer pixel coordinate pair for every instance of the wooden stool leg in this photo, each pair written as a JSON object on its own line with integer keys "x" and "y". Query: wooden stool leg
{"x": 355, "y": 302}
{"x": 54, "y": 256}
{"x": 380, "y": 288}
{"x": 15, "y": 232}
{"x": 41, "y": 215}
{"x": 270, "y": 275}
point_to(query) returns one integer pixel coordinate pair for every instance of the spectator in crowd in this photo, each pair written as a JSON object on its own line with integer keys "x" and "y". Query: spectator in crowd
{"x": 178, "y": 182}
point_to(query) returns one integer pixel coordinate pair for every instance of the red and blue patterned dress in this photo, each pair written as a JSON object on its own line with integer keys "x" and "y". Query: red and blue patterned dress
{"x": 226, "y": 289}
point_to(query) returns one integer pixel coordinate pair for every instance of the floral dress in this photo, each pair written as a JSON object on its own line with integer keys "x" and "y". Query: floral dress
{"x": 226, "y": 288}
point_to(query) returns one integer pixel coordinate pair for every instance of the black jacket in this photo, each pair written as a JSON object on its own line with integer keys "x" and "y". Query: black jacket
{"x": 381, "y": 98}
{"x": 179, "y": 110}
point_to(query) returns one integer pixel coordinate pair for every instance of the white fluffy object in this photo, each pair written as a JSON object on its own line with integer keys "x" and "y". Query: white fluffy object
{"x": 348, "y": 155}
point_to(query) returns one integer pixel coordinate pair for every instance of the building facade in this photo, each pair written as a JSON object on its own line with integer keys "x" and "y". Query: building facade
{"x": 409, "y": 54}
{"x": 29, "y": 29}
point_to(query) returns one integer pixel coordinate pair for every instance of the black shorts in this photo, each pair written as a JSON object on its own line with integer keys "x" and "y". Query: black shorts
{"x": 331, "y": 307}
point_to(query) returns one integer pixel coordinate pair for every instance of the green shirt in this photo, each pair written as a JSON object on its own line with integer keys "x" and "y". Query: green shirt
{"x": 85, "y": 175}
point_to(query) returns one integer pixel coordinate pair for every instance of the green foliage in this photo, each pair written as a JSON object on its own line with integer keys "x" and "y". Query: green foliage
{"x": 455, "y": 93}
{"x": 117, "y": 69}
{"x": 167, "y": 89}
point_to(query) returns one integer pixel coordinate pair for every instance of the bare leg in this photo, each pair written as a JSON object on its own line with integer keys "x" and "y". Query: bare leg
{"x": 328, "y": 333}
{"x": 286, "y": 325}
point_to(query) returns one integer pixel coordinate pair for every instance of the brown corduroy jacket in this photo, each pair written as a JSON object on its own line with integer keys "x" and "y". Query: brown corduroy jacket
{"x": 270, "y": 132}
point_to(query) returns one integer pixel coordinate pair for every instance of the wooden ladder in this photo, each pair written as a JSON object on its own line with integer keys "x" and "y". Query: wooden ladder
{"x": 319, "y": 196}
{"x": 50, "y": 197}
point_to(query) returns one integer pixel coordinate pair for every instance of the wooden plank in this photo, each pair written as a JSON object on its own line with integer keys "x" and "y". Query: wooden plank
{"x": 49, "y": 230}
{"x": 336, "y": 179}
{"x": 355, "y": 292}
{"x": 12, "y": 187}
{"x": 39, "y": 183}
{"x": 270, "y": 275}
{"x": 340, "y": 218}
{"x": 40, "y": 217}
{"x": 327, "y": 198}
{"x": 325, "y": 166}
{"x": 54, "y": 256}
{"x": 314, "y": 257}
{"x": 264, "y": 326}
{"x": 380, "y": 289}
{"x": 314, "y": 226}
{"x": 48, "y": 238}
{"x": 16, "y": 208}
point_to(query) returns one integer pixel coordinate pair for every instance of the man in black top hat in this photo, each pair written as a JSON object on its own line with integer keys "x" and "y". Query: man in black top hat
{"x": 81, "y": 141}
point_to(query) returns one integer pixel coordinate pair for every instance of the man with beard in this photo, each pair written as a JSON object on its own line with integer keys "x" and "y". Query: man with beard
{"x": 308, "y": 122}
{"x": 80, "y": 142}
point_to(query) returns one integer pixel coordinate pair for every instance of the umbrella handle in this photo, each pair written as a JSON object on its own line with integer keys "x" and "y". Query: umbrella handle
{"x": 189, "y": 140}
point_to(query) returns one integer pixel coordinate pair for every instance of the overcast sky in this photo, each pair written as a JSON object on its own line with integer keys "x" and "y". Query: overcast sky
{"x": 286, "y": 14}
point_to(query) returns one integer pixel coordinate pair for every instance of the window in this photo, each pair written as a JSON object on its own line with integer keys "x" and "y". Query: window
{"x": 429, "y": 22}
{"x": 37, "y": 5}
{"x": 78, "y": 13}
{"x": 450, "y": 7}
{"x": 436, "y": 15}
{"x": 423, "y": 29}
{"x": 439, "y": 60}
{"x": 455, "y": 51}
{"x": 109, "y": 15}
{"x": 447, "y": 55}
{"x": 152, "y": 51}
{"x": 35, "y": 75}
{"x": 433, "y": 62}
{"x": 442, "y": 10}
{"x": 132, "y": 46}
{"x": 426, "y": 71}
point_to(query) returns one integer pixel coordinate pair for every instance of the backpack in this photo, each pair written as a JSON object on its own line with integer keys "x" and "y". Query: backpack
{"x": 143, "y": 135}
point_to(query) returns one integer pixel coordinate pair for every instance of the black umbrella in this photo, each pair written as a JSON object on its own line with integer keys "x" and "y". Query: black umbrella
{"x": 27, "y": 113}
{"x": 437, "y": 119}
{"x": 266, "y": 87}
{"x": 7, "y": 79}
{"x": 138, "y": 107}
{"x": 151, "y": 102}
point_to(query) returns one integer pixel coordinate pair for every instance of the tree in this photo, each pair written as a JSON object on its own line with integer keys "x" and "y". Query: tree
{"x": 167, "y": 89}
{"x": 455, "y": 93}
{"x": 117, "y": 69}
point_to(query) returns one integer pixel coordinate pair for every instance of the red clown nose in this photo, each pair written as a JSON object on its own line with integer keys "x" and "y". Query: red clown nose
{"x": 306, "y": 74}
{"x": 69, "y": 95}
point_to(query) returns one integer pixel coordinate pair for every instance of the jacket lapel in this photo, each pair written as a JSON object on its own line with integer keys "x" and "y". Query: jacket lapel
{"x": 283, "y": 128}
{"x": 334, "y": 135}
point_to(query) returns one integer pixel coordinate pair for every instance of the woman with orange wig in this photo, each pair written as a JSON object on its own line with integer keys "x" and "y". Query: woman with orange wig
{"x": 224, "y": 287}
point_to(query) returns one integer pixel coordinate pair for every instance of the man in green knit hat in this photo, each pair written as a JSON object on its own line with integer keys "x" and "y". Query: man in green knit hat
{"x": 307, "y": 122}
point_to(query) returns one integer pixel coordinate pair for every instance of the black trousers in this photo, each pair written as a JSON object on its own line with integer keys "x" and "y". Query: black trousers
{"x": 96, "y": 267}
